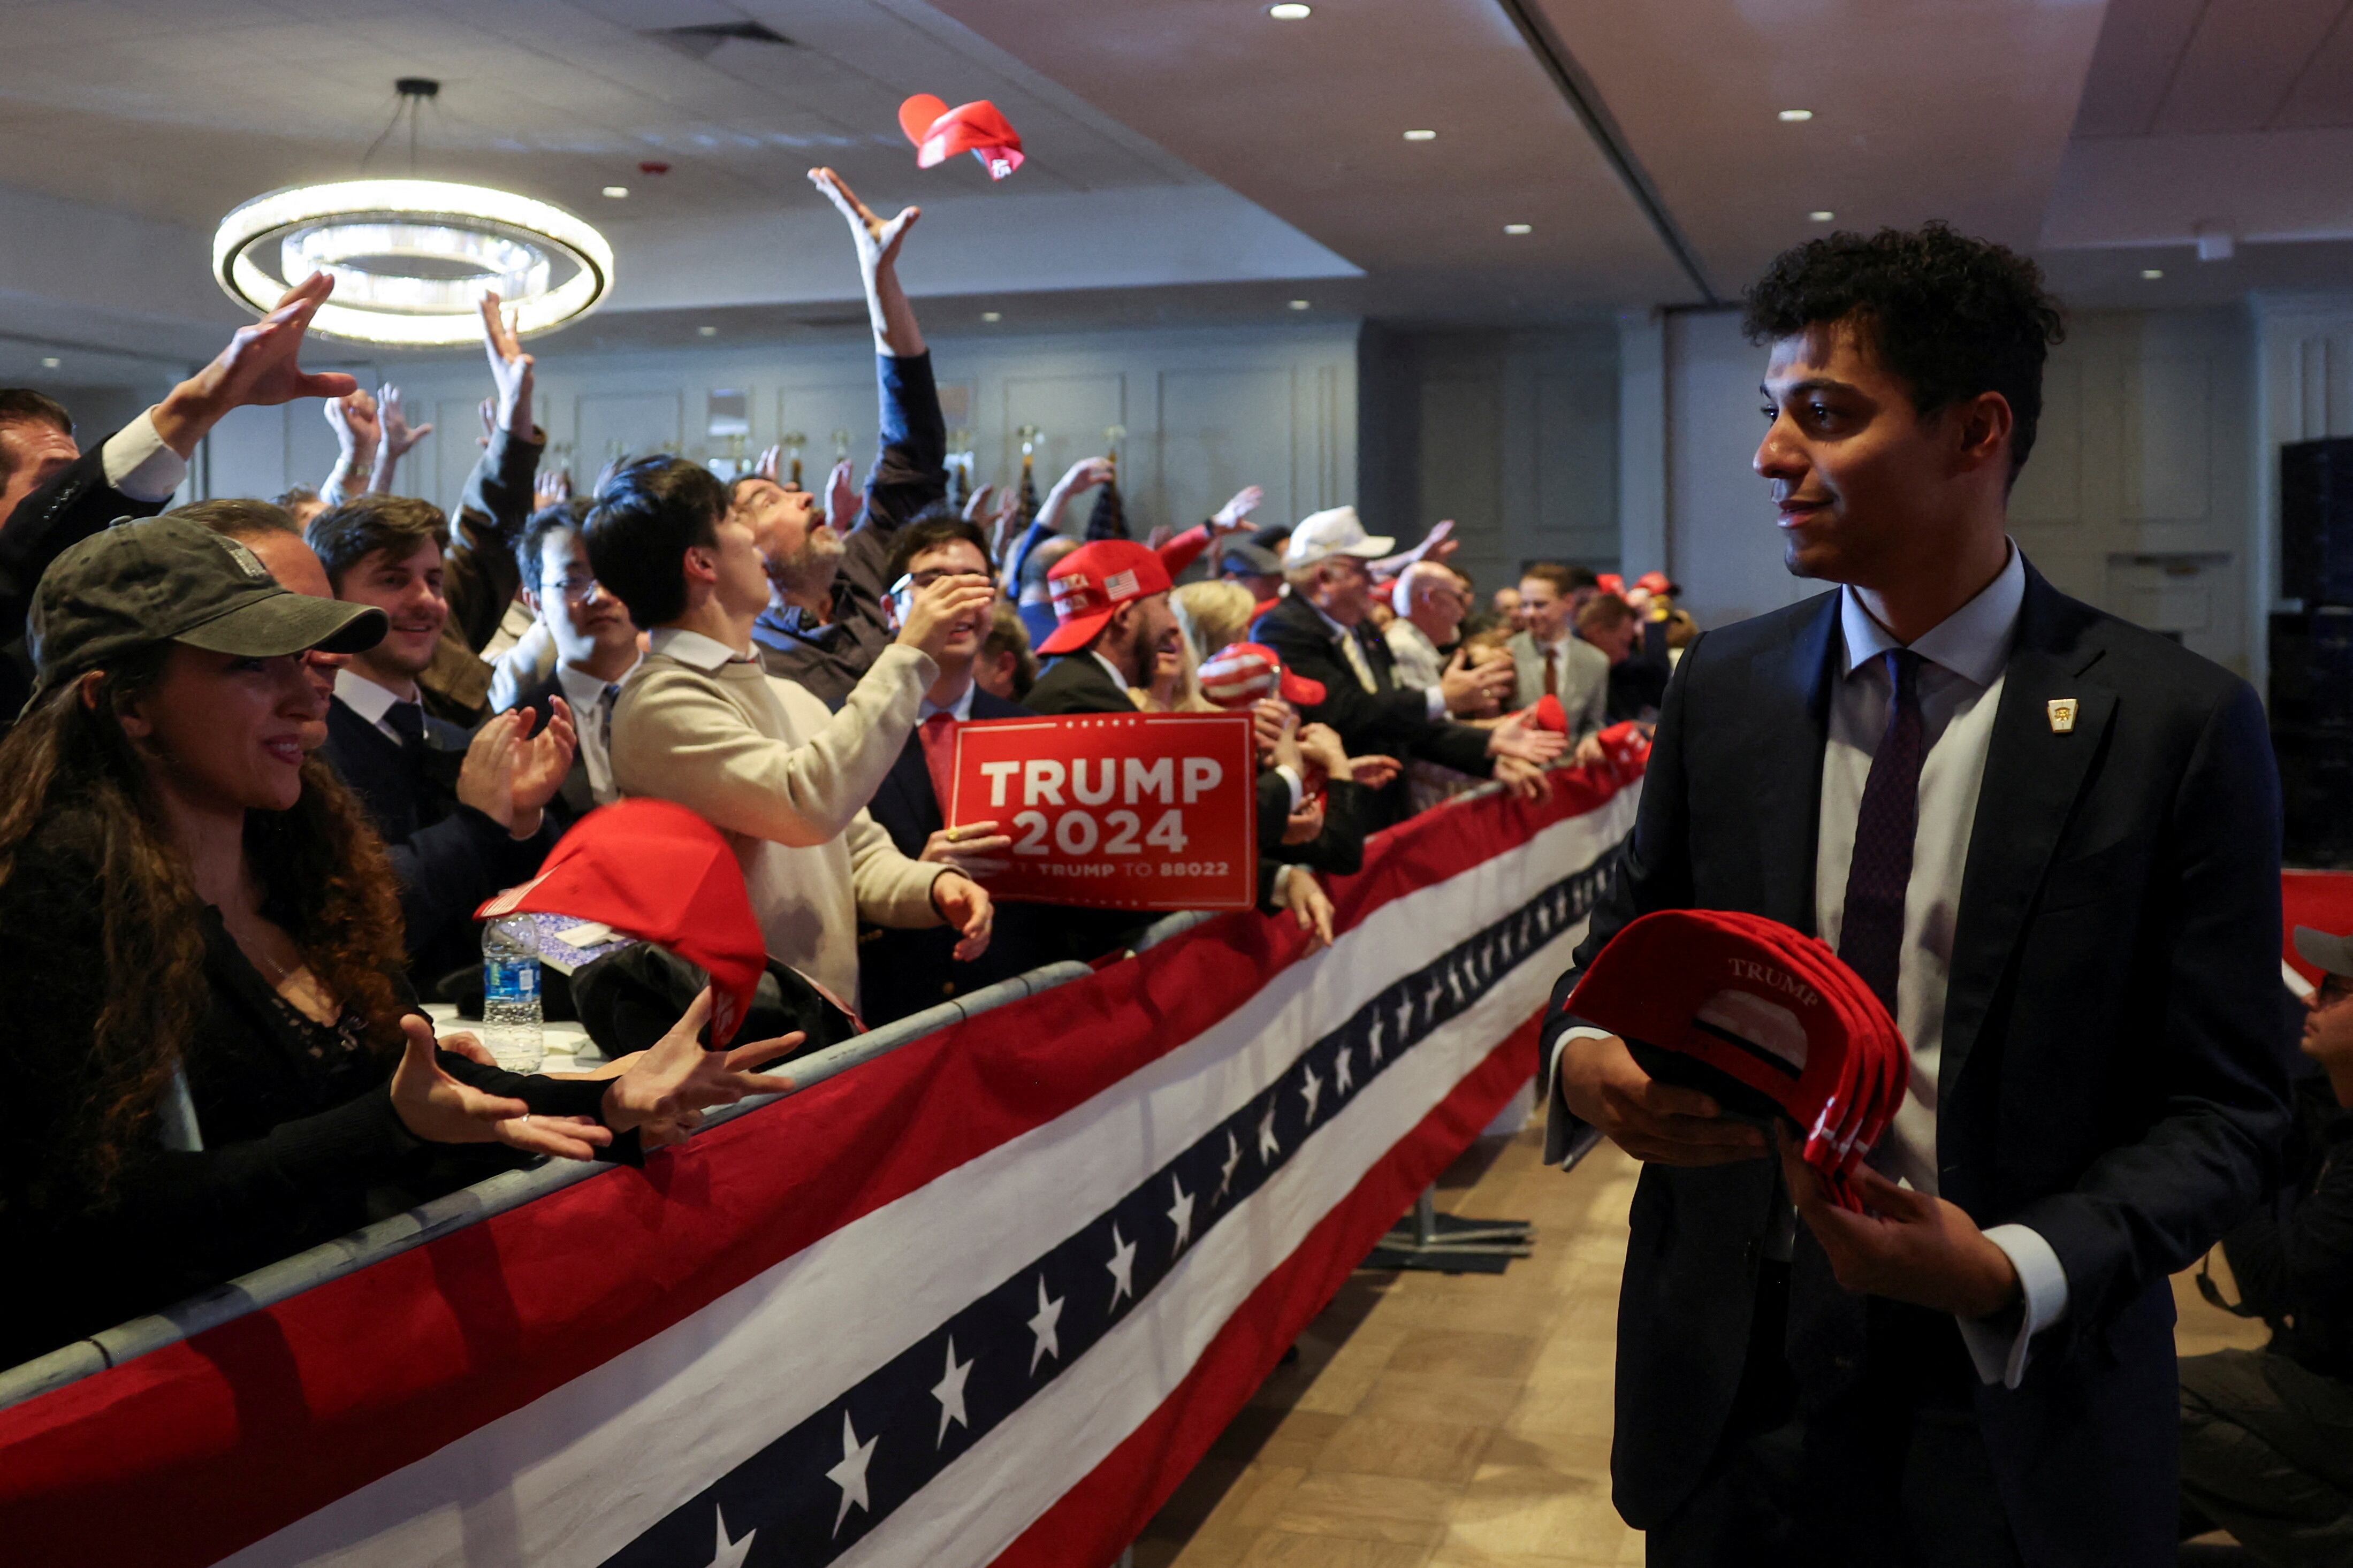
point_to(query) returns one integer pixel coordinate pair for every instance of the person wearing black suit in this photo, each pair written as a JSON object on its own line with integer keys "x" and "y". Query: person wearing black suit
{"x": 1320, "y": 630}
{"x": 2049, "y": 840}
{"x": 596, "y": 648}
{"x": 53, "y": 495}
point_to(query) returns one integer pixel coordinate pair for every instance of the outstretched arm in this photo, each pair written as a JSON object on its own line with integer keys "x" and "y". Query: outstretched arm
{"x": 896, "y": 332}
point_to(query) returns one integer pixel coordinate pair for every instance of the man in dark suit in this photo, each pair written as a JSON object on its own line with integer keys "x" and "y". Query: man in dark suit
{"x": 1320, "y": 630}
{"x": 2049, "y": 841}
{"x": 466, "y": 808}
{"x": 54, "y": 495}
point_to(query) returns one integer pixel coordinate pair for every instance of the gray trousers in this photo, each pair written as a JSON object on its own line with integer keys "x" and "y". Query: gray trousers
{"x": 2267, "y": 1454}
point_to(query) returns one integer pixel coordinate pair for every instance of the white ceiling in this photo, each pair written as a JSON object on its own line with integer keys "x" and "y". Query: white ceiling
{"x": 1189, "y": 160}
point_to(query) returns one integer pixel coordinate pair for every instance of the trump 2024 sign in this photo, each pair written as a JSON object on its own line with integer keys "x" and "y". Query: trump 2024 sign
{"x": 1123, "y": 811}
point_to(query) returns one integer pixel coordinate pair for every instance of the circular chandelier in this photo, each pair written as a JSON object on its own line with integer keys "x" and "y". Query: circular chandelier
{"x": 411, "y": 258}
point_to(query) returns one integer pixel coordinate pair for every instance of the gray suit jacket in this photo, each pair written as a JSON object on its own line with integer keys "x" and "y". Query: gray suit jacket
{"x": 1585, "y": 692}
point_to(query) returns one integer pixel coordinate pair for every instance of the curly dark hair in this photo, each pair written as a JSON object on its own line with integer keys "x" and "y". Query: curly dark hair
{"x": 1950, "y": 315}
{"x": 323, "y": 873}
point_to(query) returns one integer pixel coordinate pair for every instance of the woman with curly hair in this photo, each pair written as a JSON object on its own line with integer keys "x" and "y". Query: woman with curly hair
{"x": 213, "y": 1062}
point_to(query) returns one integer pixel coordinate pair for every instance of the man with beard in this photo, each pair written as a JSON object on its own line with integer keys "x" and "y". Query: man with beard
{"x": 824, "y": 626}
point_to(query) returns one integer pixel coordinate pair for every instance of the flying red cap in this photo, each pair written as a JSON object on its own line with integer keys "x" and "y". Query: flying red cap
{"x": 978, "y": 128}
{"x": 658, "y": 872}
{"x": 1094, "y": 581}
{"x": 1241, "y": 673}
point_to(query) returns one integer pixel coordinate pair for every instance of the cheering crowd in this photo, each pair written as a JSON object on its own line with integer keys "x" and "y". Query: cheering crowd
{"x": 269, "y": 758}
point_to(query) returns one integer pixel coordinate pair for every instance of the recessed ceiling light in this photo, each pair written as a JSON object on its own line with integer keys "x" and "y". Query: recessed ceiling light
{"x": 1299, "y": 304}
{"x": 1421, "y": 135}
{"x": 1821, "y": 215}
{"x": 616, "y": 192}
{"x": 1289, "y": 13}
{"x": 2152, "y": 273}
{"x": 992, "y": 315}
{"x": 50, "y": 361}
{"x": 707, "y": 331}
{"x": 1519, "y": 228}
{"x": 1794, "y": 115}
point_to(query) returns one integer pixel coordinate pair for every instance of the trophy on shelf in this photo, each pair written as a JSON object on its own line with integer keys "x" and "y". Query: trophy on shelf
{"x": 1031, "y": 436}
{"x": 959, "y": 466}
{"x": 793, "y": 442}
{"x": 1109, "y": 517}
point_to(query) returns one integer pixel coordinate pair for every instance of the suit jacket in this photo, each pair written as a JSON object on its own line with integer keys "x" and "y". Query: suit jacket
{"x": 2114, "y": 1072}
{"x": 448, "y": 858}
{"x": 75, "y": 503}
{"x": 1639, "y": 685}
{"x": 903, "y": 971}
{"x": 1078, "y": 683}
{"x": 1585, "y": 694}
{"x": 1390, "y": 720}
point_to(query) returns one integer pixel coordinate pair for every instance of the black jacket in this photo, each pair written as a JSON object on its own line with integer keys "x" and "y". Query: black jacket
{"x": 575, "y": 799}
{"x": 299, "y": 1147}
{"x": 2114, "y": 1072}
{"x": 480, "y": 575}
{"x": 75, "y": 503}
{"x": 1078, "y": 683}
{"x": 910, "y": 473}
{"x": 448, "y": 857}
{"x": 1391, "y": 720}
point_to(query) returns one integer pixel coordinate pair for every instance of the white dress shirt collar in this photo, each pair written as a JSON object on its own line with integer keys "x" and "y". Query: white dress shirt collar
{"x": 960, "y": 710}
{"x": 702, "y": 653}
{"x": 1119, "y": 678}
{"x": 1973, "y": 642}
{"x": 367, "y": 699}
{"x": 583, "y": 690}
{"x": 1338, "y": 631}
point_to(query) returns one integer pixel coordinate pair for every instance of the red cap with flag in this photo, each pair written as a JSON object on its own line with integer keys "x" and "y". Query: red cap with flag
{"x": 1770, "y": 1016}
{"x": 655, "y": 870}
{"x": 1092, "y": 582}
{"x": 1239, "y": 674}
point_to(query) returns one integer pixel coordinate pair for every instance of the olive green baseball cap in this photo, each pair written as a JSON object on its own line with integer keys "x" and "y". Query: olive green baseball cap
{"x": 167, "y": 579}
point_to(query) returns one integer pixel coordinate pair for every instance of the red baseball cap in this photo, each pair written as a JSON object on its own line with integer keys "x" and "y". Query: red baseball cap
{"x": 1094, "y": 581}
{"x": 1241, "y": 673}
{"x": 660, "y": 872}
{"x": 978, "y": 128}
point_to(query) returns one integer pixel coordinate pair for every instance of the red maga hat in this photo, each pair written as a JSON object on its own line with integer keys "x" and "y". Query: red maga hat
{"x": 978, "y": 128}
{"x": 1772, "y": 1020}
{"x": 1239, "y": 674}
{"x": 1094, "y": 581}
{"x": 657, "y": 871}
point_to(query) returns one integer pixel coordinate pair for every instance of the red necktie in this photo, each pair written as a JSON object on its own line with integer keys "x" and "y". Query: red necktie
{"x": 938, "y": 735}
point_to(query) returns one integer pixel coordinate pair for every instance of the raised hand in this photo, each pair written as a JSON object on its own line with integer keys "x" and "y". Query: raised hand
{"x": 1515, "y": 736}
{"x": 841, "y": 498}
{"x": 353, "y": 417}
{"x": 1000, "y": 533}
{"x": 1234, "y": 516}
{"x": 399, "y": 435}
{"x": 966, "y": 906}
{"x": 878, "y": 242}
{"x": 1475, "y": 690}
{"x": 1084, "y": 475}
{"x": 260, "y": 368}
{"x": 511, "y": 368}
{"x": 486, "y": 776}
{"x": 1310, "y": 906}
{"x": 1374, "y": 772}
{"x": 552, "y": 487}
{"x": 770, "y": 465}
{"x": 676, "y": 1077}
{"x": 438, "y": 1108}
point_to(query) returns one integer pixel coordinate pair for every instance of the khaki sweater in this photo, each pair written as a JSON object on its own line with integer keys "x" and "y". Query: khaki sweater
{"x": 787, "y": 782}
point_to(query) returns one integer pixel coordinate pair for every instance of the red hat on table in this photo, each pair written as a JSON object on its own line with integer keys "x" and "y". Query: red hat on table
{"x": 1092, "y": 582}
{"x": 1243, "y": 673}
{"x": 657, "y": 871}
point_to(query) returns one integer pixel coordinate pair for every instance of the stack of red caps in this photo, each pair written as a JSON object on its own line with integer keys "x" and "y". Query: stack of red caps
{"x": 1767, "y": 1021}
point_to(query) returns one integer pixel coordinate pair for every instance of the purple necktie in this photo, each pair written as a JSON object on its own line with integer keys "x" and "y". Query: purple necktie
{"x": 1870, "y": 934}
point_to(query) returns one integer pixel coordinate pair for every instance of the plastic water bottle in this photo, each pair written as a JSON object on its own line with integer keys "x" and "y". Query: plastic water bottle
{"x": 511, "y": 1014}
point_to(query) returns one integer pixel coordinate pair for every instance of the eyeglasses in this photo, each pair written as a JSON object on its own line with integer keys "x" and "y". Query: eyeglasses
{"x": 576, "y": 589}
{"x": 913, "y": 580}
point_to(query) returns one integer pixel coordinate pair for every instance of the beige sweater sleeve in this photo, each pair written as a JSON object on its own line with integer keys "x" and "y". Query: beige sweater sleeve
{"x": 681, "y": 737}
{"x": 891, "y": 890}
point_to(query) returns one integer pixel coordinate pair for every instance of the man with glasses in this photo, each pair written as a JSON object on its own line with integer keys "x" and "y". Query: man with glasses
{"x": 1430, "y": 602}
{"x": 596, "y": 648}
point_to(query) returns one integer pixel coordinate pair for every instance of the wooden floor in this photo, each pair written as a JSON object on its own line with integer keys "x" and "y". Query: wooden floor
{"x": 1456, "y": 1422}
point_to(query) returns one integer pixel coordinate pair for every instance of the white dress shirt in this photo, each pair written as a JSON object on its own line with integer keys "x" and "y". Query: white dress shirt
{"x": 592, "y": 713}
{"x": 960, "y": 710}
{"x": 1963, "y": 658}
{"x": 1417, "y": 659}
{"x": 365, "y": 697}
{"x": 1354, "y": 652}
{"x": 137, "y": 463}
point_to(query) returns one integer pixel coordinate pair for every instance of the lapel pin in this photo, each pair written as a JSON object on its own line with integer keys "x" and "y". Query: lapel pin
{"x": 2063, "y": 715}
